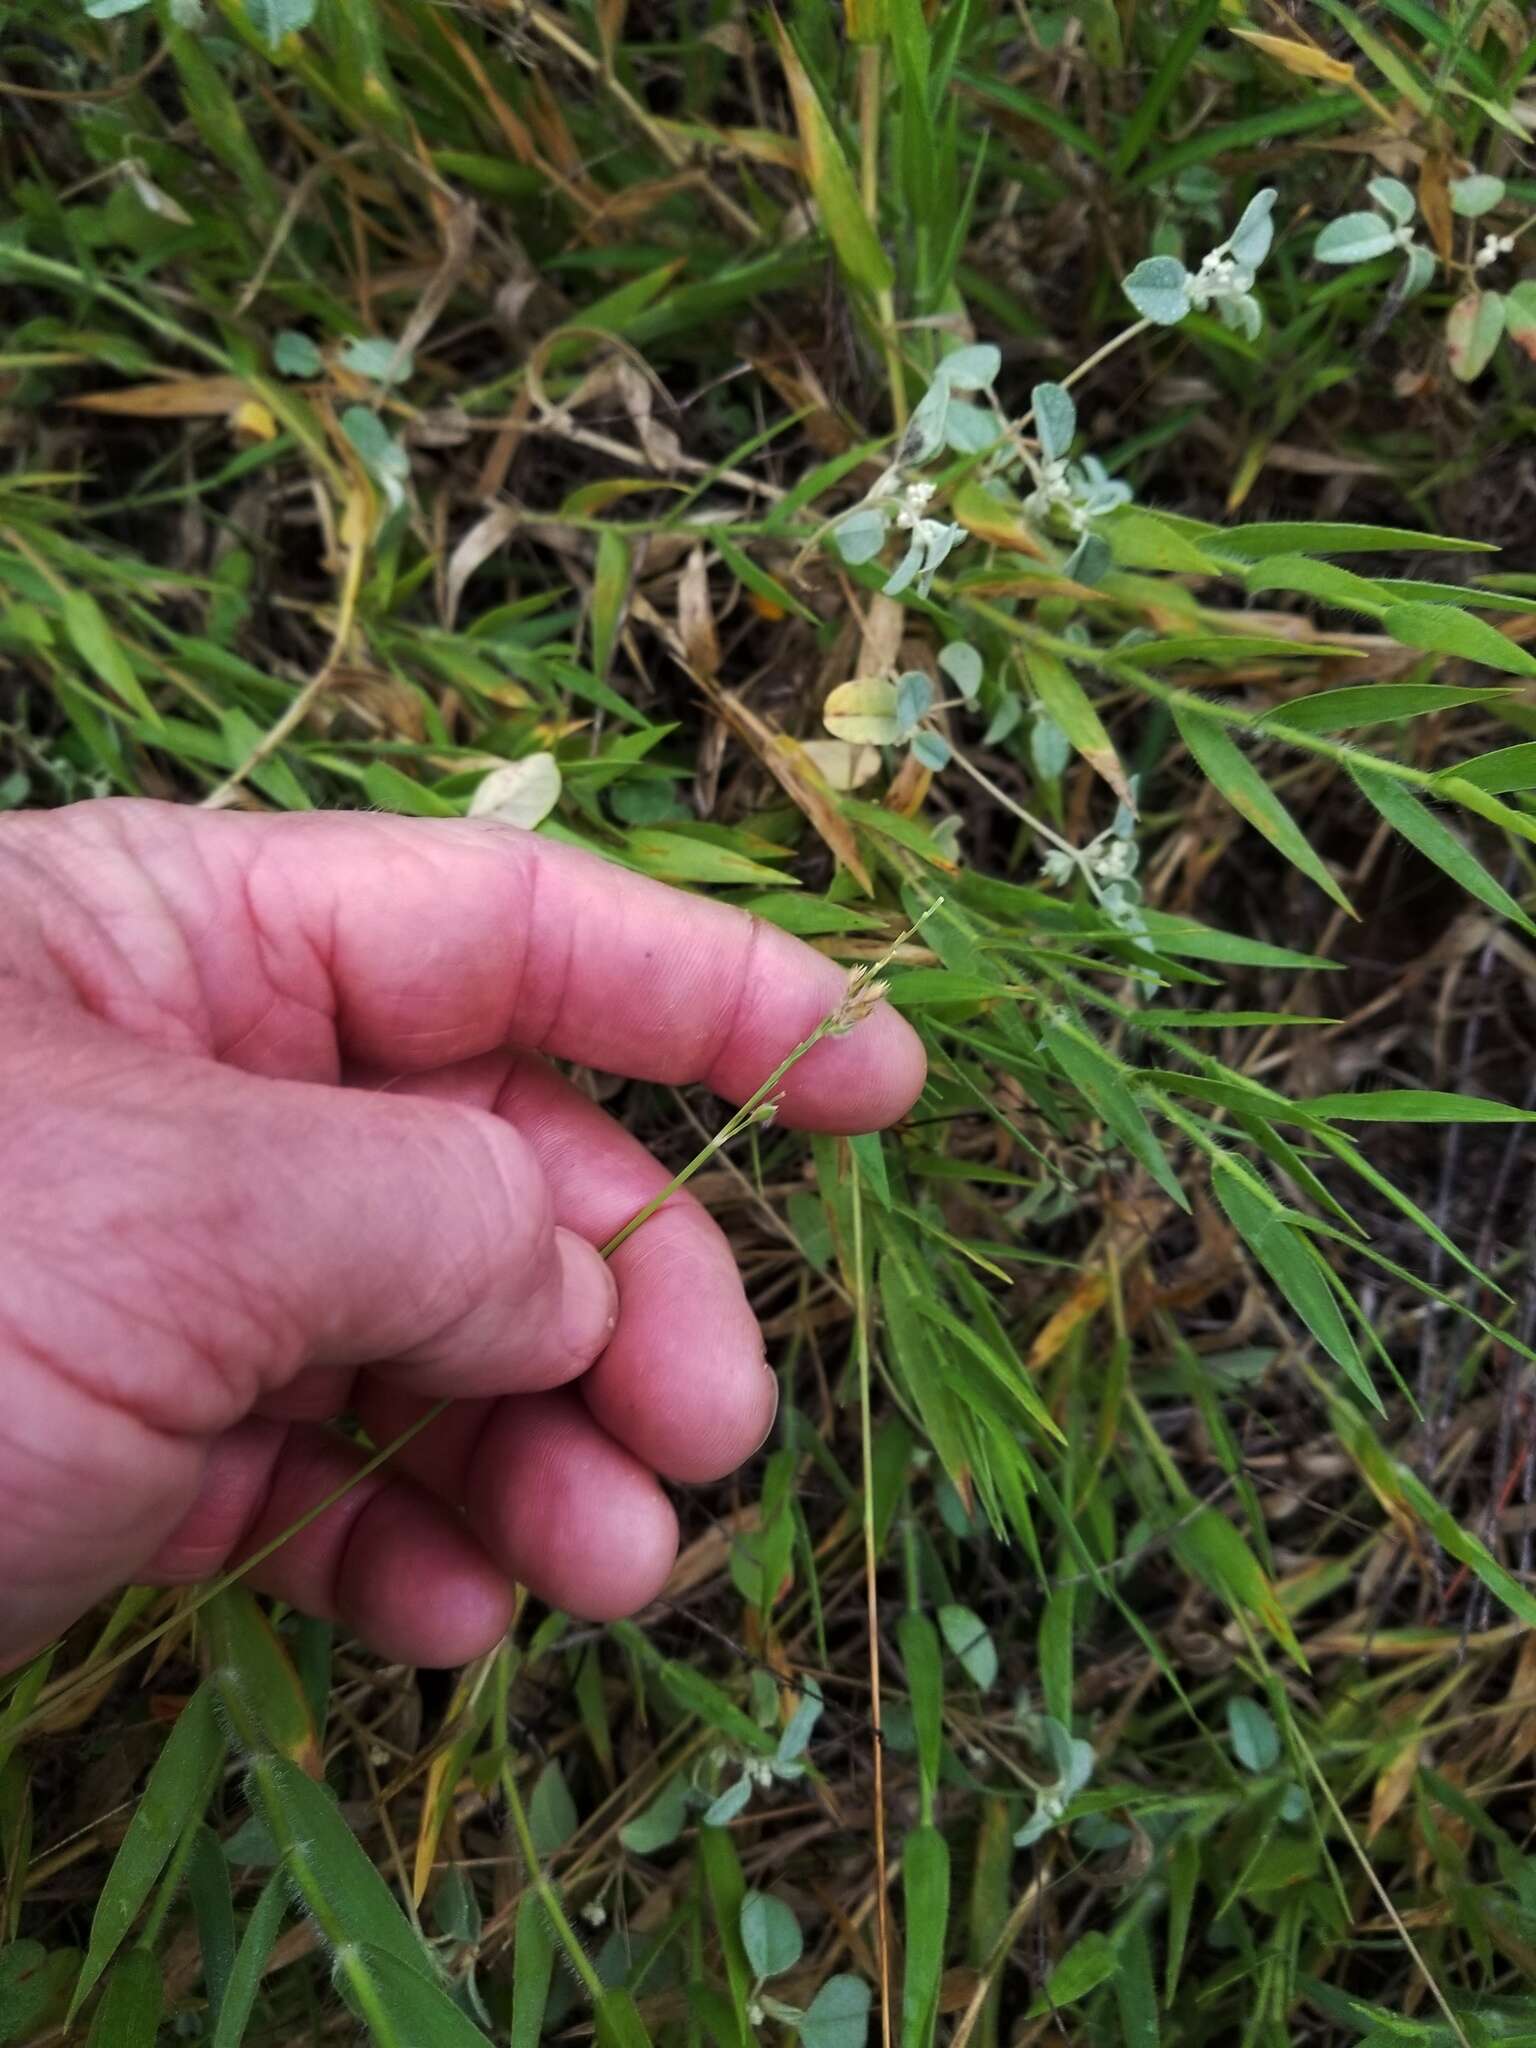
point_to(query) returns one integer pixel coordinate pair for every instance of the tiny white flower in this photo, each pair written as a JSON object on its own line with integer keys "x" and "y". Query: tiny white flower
{"x": 595, "y": 1913}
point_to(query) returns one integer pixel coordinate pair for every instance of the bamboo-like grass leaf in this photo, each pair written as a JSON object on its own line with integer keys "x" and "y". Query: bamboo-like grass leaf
{"x": 170, "y": 1803}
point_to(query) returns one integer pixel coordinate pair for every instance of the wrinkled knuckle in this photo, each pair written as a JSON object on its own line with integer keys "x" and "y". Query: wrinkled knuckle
{"x": 505, "y": 1219}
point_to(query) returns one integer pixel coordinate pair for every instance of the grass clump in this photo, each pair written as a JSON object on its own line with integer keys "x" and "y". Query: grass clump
{"x": 1028, "y": 474}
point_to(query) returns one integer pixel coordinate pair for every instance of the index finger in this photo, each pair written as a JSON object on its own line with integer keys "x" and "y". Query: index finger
{"x": 431, "y": 941}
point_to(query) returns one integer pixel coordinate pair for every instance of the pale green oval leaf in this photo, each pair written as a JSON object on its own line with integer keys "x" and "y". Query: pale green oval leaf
{"x": 374, "y": 357}
{"x": 970, "y": 1644}
{"x": 522, "y": 793}
{"x": 1055, "y": 420}
{"x": 731, "y": 1801}
{"x": 1475, "y": 195}
{"x": 770, "y": 1934}
{"x": 1393, "y": 197}
{"x": 914, "y": 699}
{"x": 864, "y": 712}
{"x": 1159, "y": 290}
{"x": 1354, "y": 238}
{"x": 861, "y": 536}
{"x": 973, "y": 368}
{"x": 274, "y": 19}
{"x": 1250, "y": 240}
{"x": 295, "y": 355}
{"x": 1418, "y": 270}
{"x": 1255, "y": 1738}
{"x": 838, "y": 2016}
{"x": 1472, "y": 330}
{"x": 660, "y": 1823}
{"x": 962, "y": 664}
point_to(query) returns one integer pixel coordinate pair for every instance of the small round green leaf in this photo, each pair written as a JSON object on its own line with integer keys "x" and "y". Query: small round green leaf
{"x": 274, "y": 19}
{"x": 1090, "y": 561}
{"x": 970, "y": 429}
{"x": 1055, "y": 420}
{"x": 1418, "y": 271}
{"x": 661, "y": 1822}
{"x": 962, "y": 664}
{"x": 1472, "y": 330}
{"x": 924, "y": 434}
{"x": 382, "y": 454}
{"x": 864, "y": 712}
{"x": 1476, "y": 195}
{"x": 969, "y": 1644}
{"x": 1354, "y": 238}
{"x": 1159, "y": 290}
{"x": 374, "y": 356}
{"x": 1255, "y": 1738}
{"x": 971, "y": 369}
{"x": 770, "y": 1934}
{"x": 838, "y": 2016}
{"x": 796, "y": 1738}
{"x": 1251, "y": 238}
{"x": 295, "y": 355}
{"x": 932, "y": 749}
{"x": 1393, "y": 197}
{"x": 861, "y": 536}
{"x": 914, "y": 696}
{"x": 731, "y": 1802}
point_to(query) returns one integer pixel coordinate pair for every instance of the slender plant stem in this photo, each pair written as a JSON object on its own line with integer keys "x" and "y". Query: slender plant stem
{"x": 1092, "y": 362}
{"x": 549, "y": 1899}
{"x": 299, "y": 709}
{"x": 1002, "y": 797}
{"x": 866, "y": 1450}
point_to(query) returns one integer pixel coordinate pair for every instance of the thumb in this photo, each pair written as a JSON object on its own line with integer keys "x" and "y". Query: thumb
{"x": 195, "y": 1237}
{"x": 200, "y": 1235}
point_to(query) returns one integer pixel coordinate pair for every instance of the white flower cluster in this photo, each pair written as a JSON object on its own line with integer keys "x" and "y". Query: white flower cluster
{"x": 912, "y": 502}
{"x": 1494, "y": 246}
{"x": 1220, "y": 276}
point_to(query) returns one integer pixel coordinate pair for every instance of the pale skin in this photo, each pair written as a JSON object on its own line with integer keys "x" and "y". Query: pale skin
{"x": 279, "y": 1145}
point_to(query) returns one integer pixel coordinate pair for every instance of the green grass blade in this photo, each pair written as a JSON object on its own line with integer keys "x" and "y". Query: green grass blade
{"x": 1234, "y": 775}
{"x": 250, "y": 1961}
{"x": 173, "y": 1796}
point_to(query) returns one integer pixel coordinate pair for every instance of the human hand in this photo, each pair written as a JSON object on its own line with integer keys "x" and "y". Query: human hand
{"x": 278, "y": 1145}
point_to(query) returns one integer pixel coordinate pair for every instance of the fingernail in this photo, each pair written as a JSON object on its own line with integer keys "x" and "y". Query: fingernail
{"x": 589, "y": 1300}
{"x": 773, "y": 1412}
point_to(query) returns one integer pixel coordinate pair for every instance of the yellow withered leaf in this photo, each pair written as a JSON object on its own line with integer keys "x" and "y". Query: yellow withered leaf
{"x": 832, "y": 185}
{"x": 863, "y": 712}
{"x": 252, "y": 419}
{"x": 174, "y": 398}
{"x": 989, "y": 519}
{"x": 1303, "y": 58}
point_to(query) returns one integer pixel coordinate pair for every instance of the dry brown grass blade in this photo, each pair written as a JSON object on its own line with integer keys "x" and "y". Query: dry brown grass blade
{"x": 796, "y": 774}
